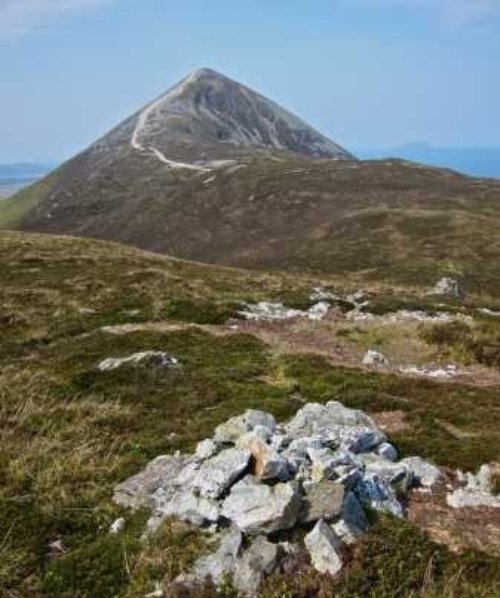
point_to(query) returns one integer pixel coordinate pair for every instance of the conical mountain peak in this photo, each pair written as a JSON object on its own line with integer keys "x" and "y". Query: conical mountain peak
{"x": 209, "y": 116}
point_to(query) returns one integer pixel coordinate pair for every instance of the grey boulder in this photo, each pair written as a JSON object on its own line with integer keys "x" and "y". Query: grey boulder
{"x": 256, "y": 563}
{"x": 217, "y": 566}
{"x": 323, "y": 546}
{"x": 232, "y": 429}
{"x": 256, "y": 508}
{"x": 323, "y": 501}
{"x": 214, "y": 476}
{"x": 373, "y": 491}
{"x": 137, "y": 491}
{"x": 426, "y": 474}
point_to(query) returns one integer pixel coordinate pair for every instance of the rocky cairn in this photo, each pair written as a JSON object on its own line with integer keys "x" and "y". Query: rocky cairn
{"x": 255, "y": 482}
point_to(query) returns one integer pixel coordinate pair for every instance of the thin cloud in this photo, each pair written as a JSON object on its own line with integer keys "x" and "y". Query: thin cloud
{"x": 455, "y": 12}
{"x": 19, "y": 17}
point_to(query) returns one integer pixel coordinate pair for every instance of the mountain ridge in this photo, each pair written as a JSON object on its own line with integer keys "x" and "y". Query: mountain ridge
{"x": 163, "y": 181}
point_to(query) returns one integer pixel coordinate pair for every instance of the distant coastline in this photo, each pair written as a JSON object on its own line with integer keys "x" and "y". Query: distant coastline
{"x": 14, "y": 177}
{"x": 9, "y": 187}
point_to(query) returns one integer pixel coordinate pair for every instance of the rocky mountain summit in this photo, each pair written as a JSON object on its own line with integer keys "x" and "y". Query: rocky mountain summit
{"x": 208, "y": 115}
{"x": 256, "y": 482}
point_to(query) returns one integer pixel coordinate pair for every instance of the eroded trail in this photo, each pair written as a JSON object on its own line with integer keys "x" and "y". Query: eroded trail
{"x": 296, "y": 336}
{"x": 141, "y": 128}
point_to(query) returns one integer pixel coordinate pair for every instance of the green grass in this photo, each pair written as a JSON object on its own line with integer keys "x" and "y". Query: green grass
{"x": 14, "y": 208}
{"x": 69, "y": 433}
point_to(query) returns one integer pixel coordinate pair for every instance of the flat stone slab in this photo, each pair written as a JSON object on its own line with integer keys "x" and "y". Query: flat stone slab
{"x": 137, "y": 491}
{"x": 214, "y": 476}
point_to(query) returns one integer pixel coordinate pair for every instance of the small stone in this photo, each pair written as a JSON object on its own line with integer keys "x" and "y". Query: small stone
{"x": 266, "y": 464}
{"x": 387, "y": 451}
{"x": 314, "y": 419}
{"x": 478, "y": 491}
{"x": 323, "y": 501}
{"x": 374, "y": 358}
{"x": 117, "y": 526}
{"x": 156, "y": 593}
{"x": 425, "y": 473}
{"x": 357, "y": 439}
{"x": 348, "y": 533}
{"x": 218, "y": 565}
{"x": 353, "y": 513}
{"x": 256, "y": 563}
{"x": 464, "y": 497}
{"x": 323, "y": 545}
{"x": 230, "y": 431}
{"x": 448, "y": 286}
{"x": 375, "y": 492}
{"x": 392, "y": 473}
{"x": 279, "y": 442}
{"x": 323, "y": 464}
{"x": 318, "y": 311}
{"x": 256, "y": 508}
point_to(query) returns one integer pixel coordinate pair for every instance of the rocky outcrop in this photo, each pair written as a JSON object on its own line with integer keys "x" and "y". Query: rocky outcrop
{"x": 155, "y": 358}
{"x": 374, "y": 358}
{"x": 267, "y": 311}
{"x": 255, "y": 481}
{"x": 448, "y": 286}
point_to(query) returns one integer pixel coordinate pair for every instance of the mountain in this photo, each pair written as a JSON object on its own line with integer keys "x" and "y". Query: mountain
{"x": 480, "y": 161}
{"x": 214, "y": 172}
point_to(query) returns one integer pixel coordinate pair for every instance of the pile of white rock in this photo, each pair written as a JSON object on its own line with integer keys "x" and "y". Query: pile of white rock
{"x": 256, "y": 481}
{"x": 475, "y": 490}
{"x": 268, "y": 312}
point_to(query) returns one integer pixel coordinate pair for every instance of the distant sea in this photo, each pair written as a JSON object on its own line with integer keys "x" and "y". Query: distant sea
{"x": 8, "y": 188}
{"x": 14, "y": 177}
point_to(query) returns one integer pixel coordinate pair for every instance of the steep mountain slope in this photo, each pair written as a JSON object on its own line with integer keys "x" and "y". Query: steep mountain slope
{"x": 214, "y": 172}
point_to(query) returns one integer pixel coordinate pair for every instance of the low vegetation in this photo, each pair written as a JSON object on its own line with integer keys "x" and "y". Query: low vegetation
{"x": 69, "y": 433}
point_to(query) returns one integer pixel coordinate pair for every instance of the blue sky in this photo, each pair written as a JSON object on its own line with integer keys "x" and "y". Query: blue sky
{"x": 369, "y": 73}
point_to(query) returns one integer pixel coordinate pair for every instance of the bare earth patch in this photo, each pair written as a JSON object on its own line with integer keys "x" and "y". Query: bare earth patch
{"x": 459, "y": 529}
